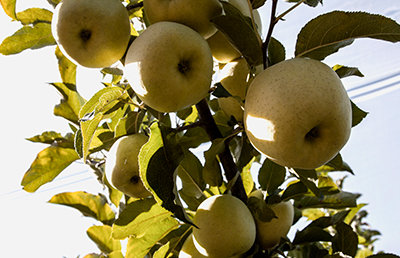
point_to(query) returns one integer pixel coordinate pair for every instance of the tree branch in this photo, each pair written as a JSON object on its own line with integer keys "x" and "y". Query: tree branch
{"x": 226, "y": 158}
{"x": 273, "y": 21}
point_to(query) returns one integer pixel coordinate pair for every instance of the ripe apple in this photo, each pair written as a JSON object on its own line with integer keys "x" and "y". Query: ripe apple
{"x": 225, "y": 227}
{"x": 269, "y": 234}
{"x": 222, "y": 49}
{"x": 298, "y": 113}
{"x": 196, "y": 14}
{"x": 91, "y": 34}
{"x": 235, "y": 79}
{"x": 169, "y": 66}
{"x": 122, "y": 166}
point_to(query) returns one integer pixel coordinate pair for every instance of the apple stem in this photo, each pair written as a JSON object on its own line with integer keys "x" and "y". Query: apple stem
{"x": 273, "y": 21}
{"x": 225, "y": 158}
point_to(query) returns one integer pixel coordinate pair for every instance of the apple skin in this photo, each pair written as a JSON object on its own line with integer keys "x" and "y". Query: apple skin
{"x": 235, "y": 79}
{"x": 269, "y": 234}
{"x": 122, "y": 166}
{"x": 225, "y": 227}
{"x": 173, "y": 74}
{"x": 93, "y": 35}
{"x": 196, "y": 15}
{"x": 298, "y": 113}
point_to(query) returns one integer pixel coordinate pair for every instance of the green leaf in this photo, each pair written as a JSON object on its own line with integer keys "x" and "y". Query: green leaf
{"x": 101, "y": 235}
{"x": 260, "y": 210}
{"x": 276, "y": 52}
{"x": 257, "y": 3}
{"x": 48, "y": 137}
{"x": 70, "y": 103}
{"x": 385, "y": 255}
{"x": 115, "y": 254}
{"x": 28, "y": 37}
{"x": 239, "y": 31}
{"x": 129, "y": 124}
{"x": 311, "y": 234}
{"x": 358, "y": 114}
{"x": 313, "y": 188}
{"x": 48, "y": 164}
{"x": 327, "y": 185}
{"x": 345, "y": 240}
{"x": 220, "y": 91}
{"x": 158, "y": 160}
{"x": 9, "y": 7}
{"x": 89, "y": 205}
{"x": 34, "y": 15}
{"x": 66, "y": 67}
{"x": 247, "y": 178}
{"x": 344, "y": 71}
{"x": 271, "y": 176}
{"x": 193, "y": 138}
{"x": 341, "y": 200}
{"x": 88, "y": 130}
{"x": 212, "y": 173}
{"x": 329, "y": 32}
{"x": 190, "y": 173}
{"x": 293, "y": 190}
{"x": 336, "y": 164}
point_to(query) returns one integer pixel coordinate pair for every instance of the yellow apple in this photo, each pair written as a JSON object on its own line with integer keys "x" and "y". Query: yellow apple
{"x": 225, "y": 227}
{"x": 122, "y": 166}
{"x": 169, "y": 66}
{"x": 269, "y": 234}
{"x": 195, "y": 13}
{"x": 298, "y": 113}
{"x": 235, "y": 79}
{"x": 91, "y": 34}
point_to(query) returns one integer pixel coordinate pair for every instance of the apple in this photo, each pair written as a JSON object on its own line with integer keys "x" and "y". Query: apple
{"x": 269, "y": 234}
{"x": 222, "y": 49}
{"x": 196, "y": 14}
{"x": 298, "y": 113}
{"x": 225, "y": 227}
{"x": 91, "y": 34}
{"x": 169, "y": 66}
{"x": 235, "y": 79}
{"x": 122, "y": 166}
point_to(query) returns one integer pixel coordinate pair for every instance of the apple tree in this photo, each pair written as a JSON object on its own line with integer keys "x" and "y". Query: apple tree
{"x": 178, "y": 73}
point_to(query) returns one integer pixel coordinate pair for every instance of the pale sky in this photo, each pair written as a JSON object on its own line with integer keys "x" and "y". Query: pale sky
{"x": 35, "y": 228}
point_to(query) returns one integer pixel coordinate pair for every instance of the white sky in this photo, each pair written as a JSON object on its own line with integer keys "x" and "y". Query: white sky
{"x": 34, "y": 228}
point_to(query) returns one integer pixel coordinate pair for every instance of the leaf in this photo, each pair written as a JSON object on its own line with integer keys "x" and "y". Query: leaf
{"x": 94, "y": 206}
{"x": 158, "y": 160}
{"x": 34, "y": 15}
{"x": 260, "y": 210}
{"x": 115, "y": 254}
{"x": 9, "y": 7}
{"x": 311, "y": 234}
{"x": 329, "y": 32}
{"x": 212, "y": 173}
{"x": 344, "y": 71}
{"x": 220, "y": 91}
{"x": 70, "y": 103}
{"x": 66, "y": 67}
{"x": 48, "y": 164}
{"x": 88, "y": 130}
{"x": 384, "y": 255}
{"x": 358, "y": 114}
{"x": 129, "y": 124}
{"x": 293, "y": 190}
{"x": 336, "y": 164}
{"x": 240, "y": 32}
{"x": 101, "y": 235}
{"x": 28, "y": 37}
{"x": 48, "y": 137}
{"x": 276, "y": 52}
{"x": 327, "y": 185}
{"x": 345, "y": 240}
{"x": 337, "y": 201}
{"x": 190, "y": 173}
{"x": 271, "y": 176}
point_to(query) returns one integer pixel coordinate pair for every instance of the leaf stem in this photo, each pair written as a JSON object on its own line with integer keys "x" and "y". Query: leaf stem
{"x": 289, "y": 10}
{"x": 273, "y": 21}
{"x": 225, "y": 158}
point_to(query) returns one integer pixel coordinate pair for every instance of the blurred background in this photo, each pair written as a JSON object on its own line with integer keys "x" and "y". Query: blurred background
{"x": 34, "y": 228}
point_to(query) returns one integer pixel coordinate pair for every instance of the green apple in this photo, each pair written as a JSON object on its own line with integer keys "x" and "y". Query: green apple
{"x": 225, "y": 227}
{"x": 91, "y": 34}
{"x": 195, "y": 13}
{"x": 298, "y": 113}
{"x": 269, "y": 234}
{"x": 122, "y": 166}
{"x": 235, "y": 79}
{"x": 169, "y": 66}
{"x": 222, "y": 49}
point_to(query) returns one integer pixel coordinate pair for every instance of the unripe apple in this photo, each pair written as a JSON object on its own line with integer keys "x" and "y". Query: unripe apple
{"x": 122, "y": 166}
{"x": 169, "y": 66}
{"x": 235, "y": 79}
{"x": 269, "y": 234}
{"x": 298, "y": 113}
{"x": 197, "y": 14}
{"x": 225, "y": 227}
{"x": 91, "y": 34}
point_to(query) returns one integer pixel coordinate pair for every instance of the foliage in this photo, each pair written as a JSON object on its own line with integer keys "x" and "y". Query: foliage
{"x": 157, "y": 227}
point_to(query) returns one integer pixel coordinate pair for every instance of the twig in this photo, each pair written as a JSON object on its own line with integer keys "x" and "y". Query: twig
{"x": 225, "y": 158}
{"x": 273, "y": 21}
{"x": 289, "y": 10}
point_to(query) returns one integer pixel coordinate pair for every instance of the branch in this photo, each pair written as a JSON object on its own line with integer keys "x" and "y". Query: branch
{"x": 226, "y": 159}
{"x": 272, "y": 24}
